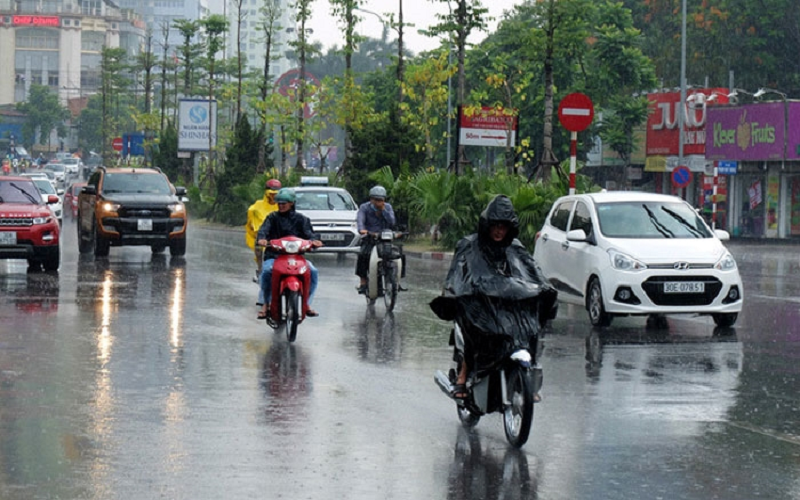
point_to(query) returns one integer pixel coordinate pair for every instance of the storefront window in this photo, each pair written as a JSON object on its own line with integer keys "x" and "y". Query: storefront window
{"x": 794, "y": 206}
{"x": 752, "y": 190}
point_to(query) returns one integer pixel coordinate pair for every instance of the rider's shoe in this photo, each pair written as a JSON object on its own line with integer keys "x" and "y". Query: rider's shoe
{"x": 402, "y": 287}
{"x": 362, "y": 290}
{"x": 255, "y": 277}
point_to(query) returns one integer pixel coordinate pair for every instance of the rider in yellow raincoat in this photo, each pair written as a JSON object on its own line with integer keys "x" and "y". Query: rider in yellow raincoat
{"x": 256, "y": 214}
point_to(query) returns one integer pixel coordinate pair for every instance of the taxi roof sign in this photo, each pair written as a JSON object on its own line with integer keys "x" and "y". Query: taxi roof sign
{"x": 308, "y": 180}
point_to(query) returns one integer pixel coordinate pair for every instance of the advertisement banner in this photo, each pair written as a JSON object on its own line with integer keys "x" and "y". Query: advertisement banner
{"x": 195, "y": 122}
{"x": 754, "y": 132}
{"x": 663, "y": 138}
{"x": 793, "y": 132}
{"x": 488, "y": 127}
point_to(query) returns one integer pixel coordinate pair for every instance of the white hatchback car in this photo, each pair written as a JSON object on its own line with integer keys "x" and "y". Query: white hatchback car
{"x": 333, "y": 215}
{"x": 632, "y": 253}
{"x": 45, "y": 187}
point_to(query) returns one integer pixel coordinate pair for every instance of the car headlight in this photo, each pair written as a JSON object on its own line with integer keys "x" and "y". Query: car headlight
{"x": 726, "y": 263}
{"x": 176, "y": 208}
{"x": 625, "y": 262}
{"x": 40, "y": 220}
{"x": 107, "y": 206}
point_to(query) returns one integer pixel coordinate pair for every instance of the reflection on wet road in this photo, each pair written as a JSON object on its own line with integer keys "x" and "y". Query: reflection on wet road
{"x": 143, "y": 376}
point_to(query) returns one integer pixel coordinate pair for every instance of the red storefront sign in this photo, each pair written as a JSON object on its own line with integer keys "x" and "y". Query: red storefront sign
{"x": 43, "y": 21}
{"x": 663, "y": 138}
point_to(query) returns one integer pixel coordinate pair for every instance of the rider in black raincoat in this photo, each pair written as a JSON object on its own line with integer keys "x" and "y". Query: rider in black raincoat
{"x": 495, "y": 291}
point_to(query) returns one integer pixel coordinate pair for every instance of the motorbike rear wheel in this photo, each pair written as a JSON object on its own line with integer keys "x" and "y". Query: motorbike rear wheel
{"x": 389, "y": 286}
{"x": 518, "y": 414}
{"x": 293, "y": 306}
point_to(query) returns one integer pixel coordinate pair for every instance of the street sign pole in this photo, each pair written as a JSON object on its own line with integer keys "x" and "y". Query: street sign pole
{"x": 573, "y": 154}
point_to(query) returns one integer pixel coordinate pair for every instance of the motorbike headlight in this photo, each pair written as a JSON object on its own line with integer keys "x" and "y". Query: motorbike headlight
{"x": 624, "y": 262}
{"x": 291, "y": 246}
{"x": 726, "y": 263}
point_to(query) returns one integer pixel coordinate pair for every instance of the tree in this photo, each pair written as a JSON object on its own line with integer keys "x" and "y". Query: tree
{"x": 44, "y": 114}
{"x": 270, "y": 15}
{"x": 189, "y": 52}
{"x": 304, "y": 49}
{"x": 240, "y": 162}
{"x": 469, "y": 16}
{"x": 215, "y": 26}
{"x": 111, "y": 83}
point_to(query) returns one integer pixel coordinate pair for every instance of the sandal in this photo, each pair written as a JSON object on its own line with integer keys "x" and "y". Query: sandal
{"x": 262, "y": 315}
{"x": 312, "y": 313}
{"x": 459, "y": 391}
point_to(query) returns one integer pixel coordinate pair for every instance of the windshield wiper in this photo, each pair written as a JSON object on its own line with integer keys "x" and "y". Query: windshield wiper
{"x": 684, "y": 223}
{"x": 27, "y": 194}
{"x": 659, "y": 226}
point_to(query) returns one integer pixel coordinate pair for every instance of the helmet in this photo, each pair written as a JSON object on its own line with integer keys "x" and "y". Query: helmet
{"x": 273, "y": 184}
{"x": 378, "y": 192}
{"x": 285, "y": 195}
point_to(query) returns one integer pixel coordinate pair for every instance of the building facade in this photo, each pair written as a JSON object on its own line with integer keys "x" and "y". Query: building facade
{"x": 58, "y": 43}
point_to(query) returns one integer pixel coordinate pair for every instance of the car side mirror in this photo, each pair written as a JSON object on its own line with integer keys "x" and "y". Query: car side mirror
{"x": 576, "y": 235}
{"x": 89, "y": 190}
{"x": 52, "y": 199}
{"x": 180, "y": 191}
{"x": 722, "y": 234}
{"x": 59, "y": 192}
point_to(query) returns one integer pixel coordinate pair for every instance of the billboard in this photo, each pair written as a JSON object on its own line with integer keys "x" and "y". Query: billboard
{"x": 746, "y": 133}
{"x": 196, "y": 120}
{"x": 663, "y": 138}
{"x": 489, "y": 126}
{"x": 793, "y": 132}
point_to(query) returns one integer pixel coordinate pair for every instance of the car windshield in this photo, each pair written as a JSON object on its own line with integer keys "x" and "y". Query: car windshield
{"x": 19, "y": 192}
{"x": 324, "y": 200}
{"x": 131, "y": 182}
{"x": 650, "y": 220}
{"x": 55, "y": 167}
{"x": 44, "y": 186}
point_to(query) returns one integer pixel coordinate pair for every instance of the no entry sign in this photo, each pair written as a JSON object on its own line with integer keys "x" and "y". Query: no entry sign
{"x": 117, "y": 144}
{"x": 575, "y": 111}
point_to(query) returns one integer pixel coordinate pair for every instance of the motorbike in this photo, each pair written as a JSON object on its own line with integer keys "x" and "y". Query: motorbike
{"x": 291, "y": 284}
{"x": 508, "y": 387}
{"x": 385, "y": 268}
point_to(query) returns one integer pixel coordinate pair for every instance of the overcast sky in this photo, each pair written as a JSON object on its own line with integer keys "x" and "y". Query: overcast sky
{"x": 421, "y": 13}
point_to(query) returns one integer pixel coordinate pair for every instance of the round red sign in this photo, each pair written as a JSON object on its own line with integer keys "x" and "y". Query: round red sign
{"x": 117, "y": 144}
{"x": 575, "y": 111}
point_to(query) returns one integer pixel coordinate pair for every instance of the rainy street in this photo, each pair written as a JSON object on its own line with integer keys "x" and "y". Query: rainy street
{"x": 143, "y": 376}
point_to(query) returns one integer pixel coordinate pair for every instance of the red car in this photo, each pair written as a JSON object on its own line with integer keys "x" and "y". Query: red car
{"x": 71, "y": 199}
{"x": 29, "y": 229}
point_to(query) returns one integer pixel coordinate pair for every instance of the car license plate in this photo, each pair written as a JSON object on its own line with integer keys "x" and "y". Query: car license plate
{"x": 684, "y": 287}
{"x": 145, "y": 225}
{"x": 8, "y": 238}
{"x": 331, "y": 236}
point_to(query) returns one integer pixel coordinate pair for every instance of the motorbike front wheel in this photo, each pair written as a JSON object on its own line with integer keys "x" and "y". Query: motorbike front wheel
{"x": 389, "y": 286}
{"x": 293, "y": 303}
{"x": 518, "y": 414}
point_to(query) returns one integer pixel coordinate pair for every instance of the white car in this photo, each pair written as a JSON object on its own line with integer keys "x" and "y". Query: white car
{"x": 73, "y": 165}
{"x": 631, "y": 253}
{"x": 46, "y": 189}
{"x": 59, "y": 171}
{"x": 333, "y": 215}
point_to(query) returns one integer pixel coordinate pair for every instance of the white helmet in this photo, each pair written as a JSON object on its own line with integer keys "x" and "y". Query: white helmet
{"x": 378, "y": 192}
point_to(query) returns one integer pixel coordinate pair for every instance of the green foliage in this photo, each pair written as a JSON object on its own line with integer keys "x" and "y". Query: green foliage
{"x": 166, "y": 156}
{"x": 44, "y": 113}
{"x": 232, "y": 197}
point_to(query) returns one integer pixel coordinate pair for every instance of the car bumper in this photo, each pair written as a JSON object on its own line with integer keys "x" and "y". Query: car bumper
{"x": 124, "y": 231}
{"x": 645, "y": 293}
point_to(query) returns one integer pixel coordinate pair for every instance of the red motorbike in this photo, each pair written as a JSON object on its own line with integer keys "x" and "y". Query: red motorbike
{"x": 291, "y": 284}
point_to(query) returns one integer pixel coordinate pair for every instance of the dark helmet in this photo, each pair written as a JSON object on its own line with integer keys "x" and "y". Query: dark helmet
{"x": 378, "y": 192}
{"x": 285, "y": 195}
{"x": 499, "y": 210}
{"x": 273, "y": 184}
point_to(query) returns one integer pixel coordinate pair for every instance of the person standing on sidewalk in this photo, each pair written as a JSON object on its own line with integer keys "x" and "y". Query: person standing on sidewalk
{"x": 256, "y": 215}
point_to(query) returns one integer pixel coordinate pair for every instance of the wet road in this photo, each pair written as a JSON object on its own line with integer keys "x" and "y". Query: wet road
{"x": 143, "y": 376}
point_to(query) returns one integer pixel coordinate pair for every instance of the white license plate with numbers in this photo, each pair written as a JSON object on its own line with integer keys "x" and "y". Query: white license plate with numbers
{"x": 8, "y": 238}
{"x": 331, "y": 236}
{"x": 145, "y": 224}
{"x": 684, "y": 287}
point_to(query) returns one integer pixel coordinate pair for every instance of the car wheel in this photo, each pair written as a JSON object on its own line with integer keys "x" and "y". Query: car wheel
{"x": 84, "y": 239}
{"x": 157, "y": 248}
{"x": 101, "y": 245}
{"x": 725, "y": 320}
{"x": 594, "y": 305}
{"x": 657, "y": 322}
{"x": 52, "y": 261}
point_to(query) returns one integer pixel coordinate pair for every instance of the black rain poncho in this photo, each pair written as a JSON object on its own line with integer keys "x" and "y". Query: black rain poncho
{"x": 495, "y": 290}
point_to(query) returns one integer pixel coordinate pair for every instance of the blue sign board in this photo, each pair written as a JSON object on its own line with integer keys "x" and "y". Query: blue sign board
{"x": 133, "y": 144}
{"x": 727, "y": 167}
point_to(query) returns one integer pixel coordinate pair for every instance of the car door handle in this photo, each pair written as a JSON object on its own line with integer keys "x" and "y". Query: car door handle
{"x": 565, "y": 245}
{"x": 544, "y": 237}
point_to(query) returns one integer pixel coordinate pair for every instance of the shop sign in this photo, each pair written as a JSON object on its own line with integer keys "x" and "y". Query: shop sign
{"x": 663, "y": 138}
{"x": 793, "y": 132}
{"x": 754, "y": 132}
{"x": 727, "y": 167}
{"x": 488, "y": 126}
{"x": 44, "y": 21}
